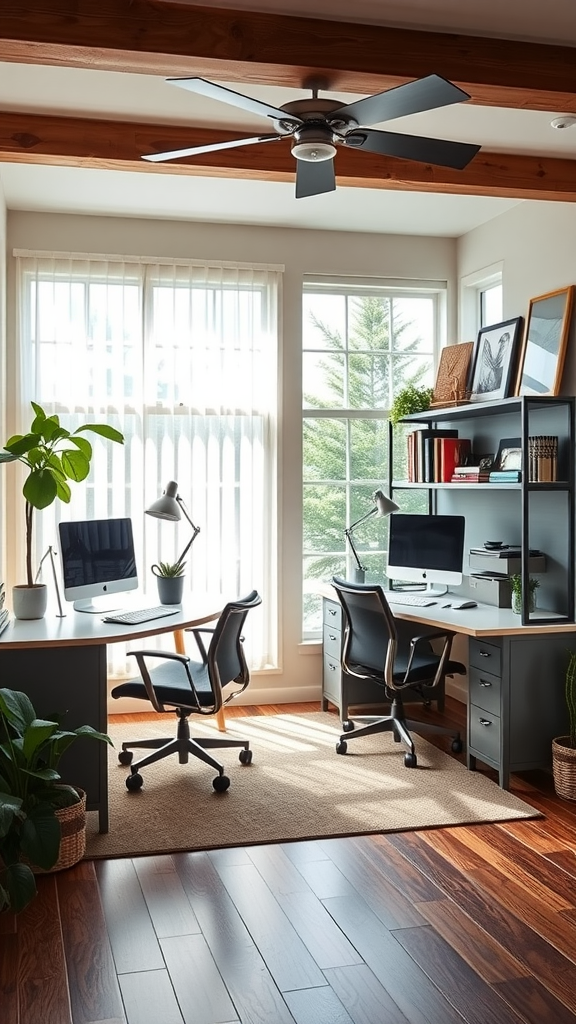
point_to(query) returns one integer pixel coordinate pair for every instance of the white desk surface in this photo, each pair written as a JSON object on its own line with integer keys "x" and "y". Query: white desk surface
{"x": 483, "y": 620}
{"x": 87, "y": 629}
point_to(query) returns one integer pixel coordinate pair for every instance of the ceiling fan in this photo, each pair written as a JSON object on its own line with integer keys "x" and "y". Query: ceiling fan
{"x": 316, "y": 126}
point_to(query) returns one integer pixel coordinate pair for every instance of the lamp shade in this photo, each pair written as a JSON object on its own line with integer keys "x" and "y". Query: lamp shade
{"x": 384, "y": 506}
{"x": 166, "y": 507}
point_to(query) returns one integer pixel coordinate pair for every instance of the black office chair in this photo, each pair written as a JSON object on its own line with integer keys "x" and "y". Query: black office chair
{"x": 192, "y": 688}
{"x": 372, "y": 650}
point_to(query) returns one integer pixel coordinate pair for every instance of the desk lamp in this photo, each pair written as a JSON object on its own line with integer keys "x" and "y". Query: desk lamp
{"x": 383, "y": 507}
{"x": 170, "y": 507}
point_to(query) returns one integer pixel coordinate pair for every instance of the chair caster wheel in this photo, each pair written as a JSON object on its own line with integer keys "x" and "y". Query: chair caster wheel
{"x": 134, "y": 782}
{"x": 341, "y": 747}
{"x": 245, "y": 756}
{"x": 125, "y": 756}
{"x": 348, "y": 726}
{"x": 410, "y": 761}
{"x": 456, "y": 746}
{"x": 221, "y": 783}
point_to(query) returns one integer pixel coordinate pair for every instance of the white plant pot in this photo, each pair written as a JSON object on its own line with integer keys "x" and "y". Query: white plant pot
{"x": 29, "y": 602}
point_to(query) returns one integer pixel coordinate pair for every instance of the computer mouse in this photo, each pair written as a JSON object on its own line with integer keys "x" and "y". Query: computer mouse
{"x": 464, "y": 604}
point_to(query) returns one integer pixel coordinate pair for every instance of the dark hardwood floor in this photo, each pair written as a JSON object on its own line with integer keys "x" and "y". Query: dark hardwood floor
{"x": 444, "y": 926}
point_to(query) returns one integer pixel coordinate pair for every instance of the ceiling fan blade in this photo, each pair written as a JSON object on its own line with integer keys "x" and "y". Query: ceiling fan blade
{"x": 196, "y": 150}
{"x": 413, "y": 147}
{"x": 236, "y": 99}
{"x": 313, "y": 179}
{"x": 424, "y": 94}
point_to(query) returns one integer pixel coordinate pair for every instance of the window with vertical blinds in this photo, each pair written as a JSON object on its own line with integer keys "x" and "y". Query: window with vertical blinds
{"x": 182, "y": 358}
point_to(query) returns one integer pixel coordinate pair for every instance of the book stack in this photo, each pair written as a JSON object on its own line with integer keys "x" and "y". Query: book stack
{"x": 505, "y": 476}
{"x": 4, "y": 613}
{"x": 432, "y": 454}
{"x": 543, "y": 458}
{"x": 470, "y": 475}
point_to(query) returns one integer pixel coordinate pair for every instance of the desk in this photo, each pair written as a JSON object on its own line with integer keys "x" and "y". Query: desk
{"x": 61, "y": 665}
{"x": 516, "y": 702}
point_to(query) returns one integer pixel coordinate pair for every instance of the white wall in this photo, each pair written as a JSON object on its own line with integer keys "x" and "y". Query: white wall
{"x": 536, "y": 242}
{"x": 301, "y": 252}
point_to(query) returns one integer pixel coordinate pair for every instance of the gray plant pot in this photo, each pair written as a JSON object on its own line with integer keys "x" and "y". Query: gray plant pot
{"x": 170, "y": 589}
{"x": 29, "y": 602}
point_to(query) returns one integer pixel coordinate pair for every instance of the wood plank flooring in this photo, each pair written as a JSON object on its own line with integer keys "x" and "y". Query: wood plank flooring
{"x": 469, "y": 924}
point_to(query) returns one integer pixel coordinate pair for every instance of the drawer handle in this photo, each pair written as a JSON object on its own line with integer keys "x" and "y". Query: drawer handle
{"x": 484, "y": 722}
{"x": 331, "y": 666}
{"x": 484, "y": 654}
{"x": 485, "y": 682}
{"x": 332, "y": 636}
{"x": 331, "y": 611}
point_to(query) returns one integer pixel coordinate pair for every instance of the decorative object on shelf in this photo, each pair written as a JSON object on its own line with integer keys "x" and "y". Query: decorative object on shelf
{"x": 171, "y": 507}
{"x": 170, "y": 581}
{"x": 533, "y": 584}
{"x": 50, "y": 554}
{"x": 32, "y": 838}
{"x": 383, "y": 507}
{"x": 545, "y": 342}
{"x": 494, "y": 360}
{"x": 53, "y": 456}
{"x": 451, "y": 387}
{"x": 509, "y": 455}
{"x": 409, "y": 400}
{"x": 543, "y": 458}
{"x": 564, "y": 747}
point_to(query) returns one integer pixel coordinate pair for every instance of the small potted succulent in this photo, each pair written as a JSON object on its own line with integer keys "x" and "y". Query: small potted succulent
{"x": 34, "y": 803}
{"x": 516, "y": 584}
{"x": 170, "y": 576}
{"x": 564, "y": 747}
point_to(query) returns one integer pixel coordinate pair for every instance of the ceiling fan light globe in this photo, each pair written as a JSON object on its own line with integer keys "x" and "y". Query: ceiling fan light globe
{"x": 314, "y": 152}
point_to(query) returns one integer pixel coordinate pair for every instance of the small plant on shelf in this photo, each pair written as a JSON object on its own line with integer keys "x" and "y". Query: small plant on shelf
{"x": 409, "y": 400}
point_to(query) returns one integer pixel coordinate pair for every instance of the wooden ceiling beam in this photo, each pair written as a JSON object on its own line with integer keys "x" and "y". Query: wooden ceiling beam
{"x": 173, "y": 39}
{"x": 117, "y": 145}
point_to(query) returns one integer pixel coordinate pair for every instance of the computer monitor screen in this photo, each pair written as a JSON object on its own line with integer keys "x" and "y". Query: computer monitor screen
{"x": 426, "y": 549}
{"x": 97, "y": 557}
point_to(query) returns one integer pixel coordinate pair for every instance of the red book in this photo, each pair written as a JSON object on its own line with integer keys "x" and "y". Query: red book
{"x": 453, "y": 451}
{"x": 470, "y": 478}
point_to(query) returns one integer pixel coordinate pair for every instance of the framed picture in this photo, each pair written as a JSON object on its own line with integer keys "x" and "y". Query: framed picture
{"x": 495, "y": 360}
{"x": 545, "y": 342}
{"x": 452, "y": 376}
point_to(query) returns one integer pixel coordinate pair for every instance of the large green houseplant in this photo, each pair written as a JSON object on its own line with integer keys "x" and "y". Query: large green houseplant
{"x": 53, "y": 456}
{"x": 31, "y": 792}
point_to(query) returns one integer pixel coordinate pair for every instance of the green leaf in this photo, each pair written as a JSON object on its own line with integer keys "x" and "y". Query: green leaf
{"x": 17, "y": 708}
{"x": 20, "y": 444}
{"x": 40, "y": 836}
{"x": 38, "y": 410}
{"x": 40, "y": 488}
{"x": 104, "y": 430}
{"x": 83, "y": 444}
{"x": 19, "y": 886}
{"x": 37, "y": 733}
{"x": 75, "y": 465}
{"x": 63, "y": 491}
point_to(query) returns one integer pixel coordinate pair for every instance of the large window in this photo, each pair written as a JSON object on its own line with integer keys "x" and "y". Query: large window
{"x": 361, "y": 345}
{"x": 183, "y": 360}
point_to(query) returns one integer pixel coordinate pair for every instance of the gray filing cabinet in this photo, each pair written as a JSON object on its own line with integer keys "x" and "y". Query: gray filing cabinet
{"x": 516, "y": 700}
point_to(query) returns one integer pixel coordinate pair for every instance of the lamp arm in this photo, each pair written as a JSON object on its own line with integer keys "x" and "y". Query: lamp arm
{"x": 51, "y": 553}
{"x": 195, "y": 529}
{"x": 348, "y": 535}
{"x": 366, "y": 515}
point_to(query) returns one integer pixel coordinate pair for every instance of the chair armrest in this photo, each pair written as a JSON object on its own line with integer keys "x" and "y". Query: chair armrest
{"x": 196, "y": 631}
{"x": 160, "y": 654}
{"x": 447, "y": 635}
{"x": 184, "y": 660}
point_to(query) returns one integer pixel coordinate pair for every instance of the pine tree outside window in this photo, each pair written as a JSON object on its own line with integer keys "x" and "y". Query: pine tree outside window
{"x": 361, "y": 345}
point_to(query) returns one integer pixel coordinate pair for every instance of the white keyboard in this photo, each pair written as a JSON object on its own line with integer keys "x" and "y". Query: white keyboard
{"x": 132, "y": 618}
{"x": 414, "y": 600}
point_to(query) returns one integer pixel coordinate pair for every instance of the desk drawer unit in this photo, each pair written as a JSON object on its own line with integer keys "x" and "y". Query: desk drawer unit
{"x": 485, "y": 656}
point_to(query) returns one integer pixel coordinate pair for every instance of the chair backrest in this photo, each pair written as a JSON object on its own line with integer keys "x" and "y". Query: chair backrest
{"x": 370, "y": 633}
{"x": 225, "y": 657}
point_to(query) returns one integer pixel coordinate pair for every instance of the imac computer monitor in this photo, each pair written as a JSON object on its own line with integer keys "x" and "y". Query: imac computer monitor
{"x": 98, "y": 559}
{"x": 426, "y": 549}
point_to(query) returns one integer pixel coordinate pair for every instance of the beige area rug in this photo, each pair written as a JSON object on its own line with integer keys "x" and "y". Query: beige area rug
{"x": 297, "y": 787}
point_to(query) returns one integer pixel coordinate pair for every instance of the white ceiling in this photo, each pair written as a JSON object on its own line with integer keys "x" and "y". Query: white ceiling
{"x": 148, "y": 98}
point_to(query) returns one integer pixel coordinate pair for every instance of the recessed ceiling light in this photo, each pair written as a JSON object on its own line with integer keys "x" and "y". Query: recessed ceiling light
{"x": 566, "y": 121}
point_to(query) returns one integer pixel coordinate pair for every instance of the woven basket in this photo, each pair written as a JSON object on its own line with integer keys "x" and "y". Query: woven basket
{"x": 73, "y": 835}
{"x": 564, "y": 767}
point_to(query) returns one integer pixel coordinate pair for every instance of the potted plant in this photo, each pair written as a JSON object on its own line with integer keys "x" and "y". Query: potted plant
{"x": 409, "y": 400}
{"x": 170, "y": 576}
{"x": 516, "y": 584}
{"x": 53, "y": 456}
{"x": 564, "y": 747}
{"x": 33, "y": 801}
